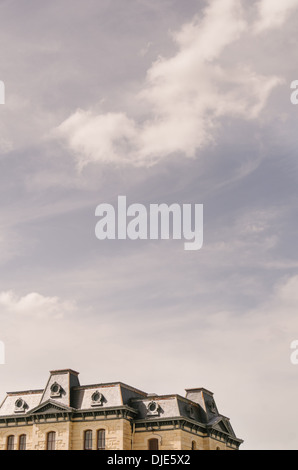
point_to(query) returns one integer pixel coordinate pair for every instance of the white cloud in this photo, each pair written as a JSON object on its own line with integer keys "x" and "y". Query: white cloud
{"x": 34, "y": 305}
{"x": 273, "y": 13}
{"x": 242, "y": 357}
{"x": 5, "y": 146}
{"x": 253, "y": 351}
{"x": 145, "y": 49}
{"x": 184, "y": 98}
{"x": 99, "y": 137}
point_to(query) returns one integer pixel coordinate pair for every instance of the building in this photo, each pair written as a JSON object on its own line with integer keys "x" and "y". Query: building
{"x": 113, "y": 416}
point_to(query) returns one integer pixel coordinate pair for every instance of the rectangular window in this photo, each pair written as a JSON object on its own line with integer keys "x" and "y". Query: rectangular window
{"x": 153, "y": 444}
{"x": 51, "y": 441}
{"x": 22, "y": 442}
{"x": 101, "y": 439}
{"x": 88, "y": 440}
{"x": 10, "y": 443}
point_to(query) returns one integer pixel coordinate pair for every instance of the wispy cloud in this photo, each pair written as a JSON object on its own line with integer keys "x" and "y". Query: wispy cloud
{"x": 34, "y": 305}
{"x": 273, "y": 13}
{"x": 183, "y": 99}
{"x": 225, "y": 316}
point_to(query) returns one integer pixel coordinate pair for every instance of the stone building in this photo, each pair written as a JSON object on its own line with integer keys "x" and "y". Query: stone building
{"x": 113, "y": 416}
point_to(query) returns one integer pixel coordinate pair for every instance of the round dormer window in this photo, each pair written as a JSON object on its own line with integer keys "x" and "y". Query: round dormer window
{"x": 20, "y": 405}
{"x": 97, "y": 398}
{"x": 56, "y": 390}
{"x": 152, "y": 406}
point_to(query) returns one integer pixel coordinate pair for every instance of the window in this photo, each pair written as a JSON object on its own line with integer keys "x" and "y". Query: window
{"x": 101, "y": 439}
{"x": 51, "y": 441}
{"x": 193, "y": 445}
{"x": 88, "y": 440}
{"x": 10, "y": 443}
{"x": 153, "y": 444}
{"x": 22, "y": 442}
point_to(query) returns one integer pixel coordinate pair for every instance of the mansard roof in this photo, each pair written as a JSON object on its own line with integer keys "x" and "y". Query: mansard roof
{"x": 63, "y": 393}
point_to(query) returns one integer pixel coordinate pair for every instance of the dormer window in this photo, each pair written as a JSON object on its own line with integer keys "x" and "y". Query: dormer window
{"x": 153, "y": 408}
{"x": 20, "y": 406}
{"x": 211, "y": 406}
{"x": 56, "y": 390}
{"x": 191, "y": 411}
{"x": 97, "y": 399}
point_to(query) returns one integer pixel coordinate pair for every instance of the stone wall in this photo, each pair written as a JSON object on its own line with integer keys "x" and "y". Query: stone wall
{"x": 118, "y": 432}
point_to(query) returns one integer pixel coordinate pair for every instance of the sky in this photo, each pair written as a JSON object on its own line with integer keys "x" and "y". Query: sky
{"x": 163, "y": 102}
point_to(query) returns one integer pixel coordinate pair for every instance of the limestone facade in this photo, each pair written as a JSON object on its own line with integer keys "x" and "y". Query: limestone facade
{"x": 113, "y": 416}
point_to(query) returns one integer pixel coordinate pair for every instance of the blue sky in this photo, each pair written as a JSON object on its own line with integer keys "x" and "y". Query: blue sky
{"x": 162, "y": 102}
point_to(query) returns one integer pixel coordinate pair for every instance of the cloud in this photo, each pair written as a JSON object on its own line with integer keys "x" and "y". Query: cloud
{"x": 99, "y": 137}
{"x": 242, "y": 357}
{"x": 183, "y": 100}
{"x": 273, "y": 13}
{"x": 256, "y": 346}
{"x": 145, "y": 49}
{"x": 34, "y": 305}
